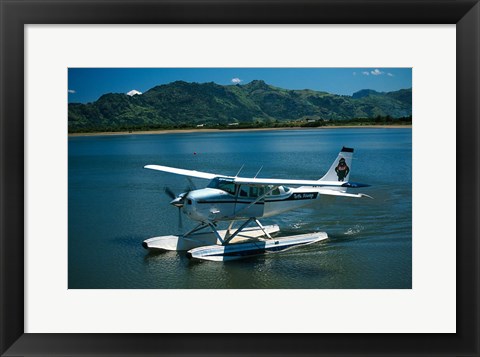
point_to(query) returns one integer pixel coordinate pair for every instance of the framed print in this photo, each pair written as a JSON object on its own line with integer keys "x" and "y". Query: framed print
{"x": 49, "y": 307}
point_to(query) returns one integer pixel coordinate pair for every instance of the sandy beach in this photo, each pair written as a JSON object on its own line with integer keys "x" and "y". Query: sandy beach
{"x": 180, "y": 131}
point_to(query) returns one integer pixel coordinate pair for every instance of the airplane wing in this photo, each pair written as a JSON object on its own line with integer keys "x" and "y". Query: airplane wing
{"x": 264, "y": 181}
{"x": 190, "y": 173}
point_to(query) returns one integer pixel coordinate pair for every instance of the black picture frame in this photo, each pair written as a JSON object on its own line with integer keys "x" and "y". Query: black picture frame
{"x": 15, "y": 14}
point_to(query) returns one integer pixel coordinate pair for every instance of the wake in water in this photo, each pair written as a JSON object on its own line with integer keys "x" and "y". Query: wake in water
{"x": 354, "y": 230}
{"x": 298, "y": 225}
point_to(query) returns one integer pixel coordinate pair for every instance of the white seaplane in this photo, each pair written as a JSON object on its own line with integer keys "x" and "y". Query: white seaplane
{"x": 234, "y": 198}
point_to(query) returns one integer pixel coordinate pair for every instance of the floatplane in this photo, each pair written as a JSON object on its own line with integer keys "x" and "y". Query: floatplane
{"x": 245, "y": 200}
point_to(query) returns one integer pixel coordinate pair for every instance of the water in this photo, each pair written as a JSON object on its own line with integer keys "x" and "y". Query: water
{"x": 115, "y": 204}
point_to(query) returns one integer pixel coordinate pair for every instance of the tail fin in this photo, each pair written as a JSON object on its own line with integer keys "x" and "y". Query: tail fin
{"x": 341, "y": 167}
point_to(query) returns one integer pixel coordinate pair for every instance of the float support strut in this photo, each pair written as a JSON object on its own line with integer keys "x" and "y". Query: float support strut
{"x": 238, "y": 230}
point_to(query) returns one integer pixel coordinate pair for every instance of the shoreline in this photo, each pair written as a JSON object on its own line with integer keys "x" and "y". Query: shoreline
{"x": 188, "y": 131}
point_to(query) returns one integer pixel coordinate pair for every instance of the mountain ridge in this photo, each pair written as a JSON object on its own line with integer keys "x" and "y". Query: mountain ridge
{"x": 182, "y": 104}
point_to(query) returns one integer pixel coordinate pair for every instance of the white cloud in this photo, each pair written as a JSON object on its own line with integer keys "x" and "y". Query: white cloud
{"x": 366, "y": 73}
{"x": 133, "y": 92}
{"x": 71, "y": 91}
{"x": 376, "y": 72}
{"x": 390, "y": 75}
{"x": 236, "y": 80}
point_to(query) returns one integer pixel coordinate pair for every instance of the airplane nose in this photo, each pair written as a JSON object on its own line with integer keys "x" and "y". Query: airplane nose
{"x": 179, "y": 201}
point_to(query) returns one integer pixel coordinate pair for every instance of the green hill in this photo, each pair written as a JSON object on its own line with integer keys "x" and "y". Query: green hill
{"x": 181, "y": 104}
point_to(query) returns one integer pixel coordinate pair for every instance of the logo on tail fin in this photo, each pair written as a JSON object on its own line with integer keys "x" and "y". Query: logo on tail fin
{"x": 342, "y": 169}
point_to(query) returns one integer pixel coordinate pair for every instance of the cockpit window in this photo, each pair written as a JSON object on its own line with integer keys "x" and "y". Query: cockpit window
{"x": 227, "y": 187}
{"x": 222, "y": 184}
{"x": 213, "y": 183}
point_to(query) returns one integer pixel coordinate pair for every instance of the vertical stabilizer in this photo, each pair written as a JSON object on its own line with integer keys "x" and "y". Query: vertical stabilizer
{"x": 341, "y": 167}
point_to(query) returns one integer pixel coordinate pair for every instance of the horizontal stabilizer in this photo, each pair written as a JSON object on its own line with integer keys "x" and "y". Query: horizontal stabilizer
{"x": 355, "y": 185}
{"x": 343, "y": 194}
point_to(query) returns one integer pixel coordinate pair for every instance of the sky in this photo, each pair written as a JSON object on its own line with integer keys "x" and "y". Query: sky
{"x": 88, "y": 84}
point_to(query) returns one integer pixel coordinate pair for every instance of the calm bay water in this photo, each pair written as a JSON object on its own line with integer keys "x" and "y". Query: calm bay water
{"x": 115, "y": 204}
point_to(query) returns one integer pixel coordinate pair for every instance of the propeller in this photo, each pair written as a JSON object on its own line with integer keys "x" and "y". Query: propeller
{"x": 178, "y": 201}
{"x": 170, "y": 193}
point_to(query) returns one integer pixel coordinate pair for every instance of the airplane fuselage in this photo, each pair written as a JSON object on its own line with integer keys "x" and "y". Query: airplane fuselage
{"x": 213, "y": 204}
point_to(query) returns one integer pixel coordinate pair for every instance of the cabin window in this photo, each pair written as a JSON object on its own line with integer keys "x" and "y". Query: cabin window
{"x": 255, "y": 191}
{"x": 243, "y": 191}
{"x": 274, "y": 192}
{"x": 261, "y": 191}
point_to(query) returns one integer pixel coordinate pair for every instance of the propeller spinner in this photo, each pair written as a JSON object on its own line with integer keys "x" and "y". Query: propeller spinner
{"x": 177, "y": 201}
